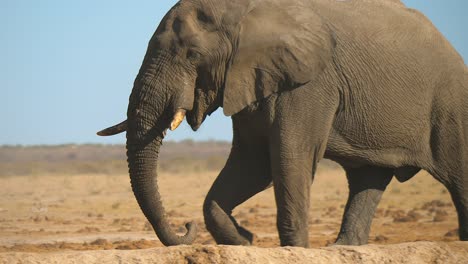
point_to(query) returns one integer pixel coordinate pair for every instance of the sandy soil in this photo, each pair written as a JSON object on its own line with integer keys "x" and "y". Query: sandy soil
{"x": 414, "y": 253}
{"x": 92, "y": 212}
{"x": 50, "y": 215}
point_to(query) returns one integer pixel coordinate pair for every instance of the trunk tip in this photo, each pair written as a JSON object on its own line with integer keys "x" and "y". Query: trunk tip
{"x": 186, "y": 239}
{"x": 191, "y": 227}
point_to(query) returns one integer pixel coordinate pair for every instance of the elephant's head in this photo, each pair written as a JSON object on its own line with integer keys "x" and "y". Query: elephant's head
{"x": 206, "y": 54}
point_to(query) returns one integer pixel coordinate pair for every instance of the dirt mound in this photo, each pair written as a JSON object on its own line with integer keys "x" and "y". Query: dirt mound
{"x": 418, "y": 252}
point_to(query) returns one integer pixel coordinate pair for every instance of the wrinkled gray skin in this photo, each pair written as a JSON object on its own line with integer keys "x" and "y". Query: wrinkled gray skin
{"x": 371, "y": 85}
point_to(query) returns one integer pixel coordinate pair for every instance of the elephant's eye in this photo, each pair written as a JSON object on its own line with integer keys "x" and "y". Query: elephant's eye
{"x": 193, "y": 55}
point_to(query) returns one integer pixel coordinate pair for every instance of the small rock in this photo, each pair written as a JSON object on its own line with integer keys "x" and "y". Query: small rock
{"x": 253, "y": 210}
{"x": 380, "y": 238}
{"x": 452, "y": 233}
{"x": 99, "y": 242}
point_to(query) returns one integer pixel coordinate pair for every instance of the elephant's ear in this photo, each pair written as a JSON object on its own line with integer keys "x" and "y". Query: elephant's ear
{"x": 276, "y": 51}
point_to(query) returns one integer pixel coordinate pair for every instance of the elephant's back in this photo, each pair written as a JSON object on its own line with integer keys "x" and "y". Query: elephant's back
{"x": 400, "y": 47}
{"x": 375, "y": 19}
{"x": 394, "y": 62}
{"x": 387, "y": 24}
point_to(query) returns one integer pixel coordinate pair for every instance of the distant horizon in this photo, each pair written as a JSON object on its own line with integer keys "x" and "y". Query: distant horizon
{"x": 182, "y": 141}
{"x": 67, "y": 68}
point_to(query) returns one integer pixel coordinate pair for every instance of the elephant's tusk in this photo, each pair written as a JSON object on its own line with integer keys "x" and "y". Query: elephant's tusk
{"x": 178, "y": 118}
{"x": 114, "y": 130}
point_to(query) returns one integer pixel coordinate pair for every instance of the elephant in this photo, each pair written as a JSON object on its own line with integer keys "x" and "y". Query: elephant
{"x": 372, "y": 85}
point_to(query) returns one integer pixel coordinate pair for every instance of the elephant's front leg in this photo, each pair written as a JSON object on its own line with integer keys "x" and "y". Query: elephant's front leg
{"x": 292, "y": 177}
{"x": 246, "y": 173}
{"x": 298, "y": 140}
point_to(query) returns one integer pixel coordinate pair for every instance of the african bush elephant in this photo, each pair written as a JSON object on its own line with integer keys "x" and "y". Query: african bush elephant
{"x": 371, "y": 85}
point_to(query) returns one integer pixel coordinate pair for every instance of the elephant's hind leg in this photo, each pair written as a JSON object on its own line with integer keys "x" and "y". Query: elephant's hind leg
{"x": 459, "y": 193}
{"x": 458, "y": 189}
{"x": 457, "y": 184}
{"x": 366, "y": 186}
{"x": 450, "y": 154}
{"x": 244, "y": 175}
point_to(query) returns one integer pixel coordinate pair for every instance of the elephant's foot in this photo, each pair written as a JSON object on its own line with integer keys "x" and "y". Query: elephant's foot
{"x": 223, "y": 227}
{"x": 350, "y": 240}
{"x": 295, "y": 242}
{"x": 246, "y": 234}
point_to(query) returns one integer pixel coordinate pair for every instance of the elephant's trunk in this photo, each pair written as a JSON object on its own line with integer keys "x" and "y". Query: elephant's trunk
{"x": 142, "y": 168}
{"x": 146, "y": 123}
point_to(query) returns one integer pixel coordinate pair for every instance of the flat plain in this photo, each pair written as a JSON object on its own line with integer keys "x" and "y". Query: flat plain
{"x": 57, "y": 199}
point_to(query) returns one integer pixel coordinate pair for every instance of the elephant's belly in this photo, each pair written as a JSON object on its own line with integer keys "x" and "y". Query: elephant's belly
{"x": 350, "y": 153}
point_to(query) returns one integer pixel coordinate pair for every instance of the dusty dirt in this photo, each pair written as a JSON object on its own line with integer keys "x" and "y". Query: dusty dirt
{"x": 414, "y": 253}
{"x": 55, "y": 214}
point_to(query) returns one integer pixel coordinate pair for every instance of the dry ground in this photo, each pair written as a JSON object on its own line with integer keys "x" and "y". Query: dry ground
{"x": 74, "y": 204}
{"x": 85, "y": 212}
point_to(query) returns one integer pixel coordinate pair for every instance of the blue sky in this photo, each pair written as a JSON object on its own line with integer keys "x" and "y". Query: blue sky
{"x": 67, "y": 67}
